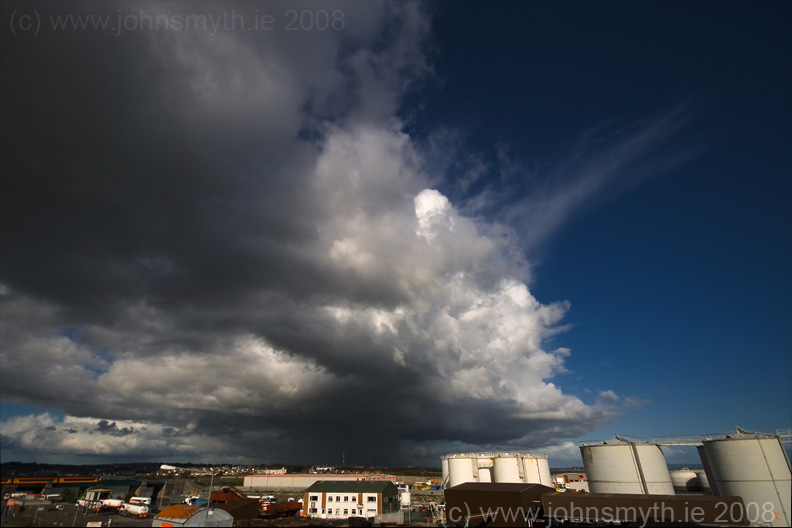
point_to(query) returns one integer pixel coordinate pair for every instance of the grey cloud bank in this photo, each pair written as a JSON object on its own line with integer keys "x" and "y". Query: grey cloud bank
{"x": 225, "y": 247}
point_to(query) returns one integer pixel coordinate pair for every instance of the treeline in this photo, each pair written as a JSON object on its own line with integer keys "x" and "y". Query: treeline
{"x": 35, "y": 469}
{"x": 414, "y": 471}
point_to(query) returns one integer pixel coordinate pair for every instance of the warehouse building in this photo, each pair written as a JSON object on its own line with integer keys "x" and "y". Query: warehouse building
{"x": 338, "y": 499}
{"x": 494, "y": 504}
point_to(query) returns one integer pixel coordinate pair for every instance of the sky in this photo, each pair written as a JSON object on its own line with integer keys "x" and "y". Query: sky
{"x": 380, "y": 232}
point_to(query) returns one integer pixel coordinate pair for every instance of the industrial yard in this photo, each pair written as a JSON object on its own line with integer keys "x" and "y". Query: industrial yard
{"x": 744, "y": 480}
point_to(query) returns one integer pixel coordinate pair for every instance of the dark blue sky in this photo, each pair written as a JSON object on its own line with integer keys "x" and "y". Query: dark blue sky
{"x": 679, "y": 285}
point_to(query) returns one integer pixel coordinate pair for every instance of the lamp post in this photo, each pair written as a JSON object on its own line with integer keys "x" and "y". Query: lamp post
{"x": 209, "y": 500}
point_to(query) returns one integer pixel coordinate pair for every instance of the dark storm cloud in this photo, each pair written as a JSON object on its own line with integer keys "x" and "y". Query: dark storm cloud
{"x": 122, "y": 197}
{"x": 244, "y": 238}
{"x": 112, "y": 428}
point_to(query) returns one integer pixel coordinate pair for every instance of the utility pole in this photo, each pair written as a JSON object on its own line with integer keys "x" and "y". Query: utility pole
{"x": 209, "y": 500}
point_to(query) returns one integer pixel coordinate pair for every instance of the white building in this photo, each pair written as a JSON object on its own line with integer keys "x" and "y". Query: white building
{"x": 281, "y": 471}
{"x": 333, "y": 499}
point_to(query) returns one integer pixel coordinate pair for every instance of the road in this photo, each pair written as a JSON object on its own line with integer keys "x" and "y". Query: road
{"x": 67, "y": 518}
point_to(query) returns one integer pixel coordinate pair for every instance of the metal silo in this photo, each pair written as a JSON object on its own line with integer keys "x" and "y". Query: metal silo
{"x": 521, "y": 467}
{"x": 461, "y": 469}
{"x": 506, "y": 468}
{"x": 537, "y": 470}
{"x": 405, "y": 500}
{"x": 755, "y": 467}
{"x": 685, "y": 481}
{"x": 703, "y": 481}
{"x": 621, "y": 466}
{"x": 712, "y": 483}
{"x": 485, "y": 470}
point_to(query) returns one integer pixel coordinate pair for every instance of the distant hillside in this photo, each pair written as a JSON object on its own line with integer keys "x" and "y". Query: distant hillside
{"x": 149, "y": 469}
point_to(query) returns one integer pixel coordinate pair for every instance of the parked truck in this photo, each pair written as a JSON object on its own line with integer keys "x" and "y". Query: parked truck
{"x": 112, "y": 504}
{"x": 138, "y": 510}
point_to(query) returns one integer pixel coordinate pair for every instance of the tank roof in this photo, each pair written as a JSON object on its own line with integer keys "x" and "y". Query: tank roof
{"x": 503, "y": 454}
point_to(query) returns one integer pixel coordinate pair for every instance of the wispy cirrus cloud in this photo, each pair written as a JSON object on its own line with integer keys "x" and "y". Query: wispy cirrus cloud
{"x": 538, "y": 197}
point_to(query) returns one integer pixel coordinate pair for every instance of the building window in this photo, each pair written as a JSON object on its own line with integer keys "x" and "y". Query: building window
{"x": 372, "y": 499}
{"x": 314, "y": 498}
{"x": 346, "y": 511}
{"x": 338, "y": 498}
{"x": 346, "y": 498}
{"x": 330, "y": 498}
{"x": 312, "y": 510}
{"x": 323, "y": 511}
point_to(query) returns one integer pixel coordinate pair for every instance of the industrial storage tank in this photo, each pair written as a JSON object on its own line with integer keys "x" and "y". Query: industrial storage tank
{"x": 506, "y": 468}
{"x": 484, "y": 469}
{"x": 460, "y": 469}
{"x": 755, "y": 467}
{"x": 703, "y": 481}
{"x": 711, "y": 484}
{"x": 522, "y": 467}
{"x": 444, "y": 468}
{"x": 537, "y": 470}
{"x": 405, "y": 500}
{"x": 622, "y": 466}
{"x": 496, "y": 467}
{"x": 685, "y": 480}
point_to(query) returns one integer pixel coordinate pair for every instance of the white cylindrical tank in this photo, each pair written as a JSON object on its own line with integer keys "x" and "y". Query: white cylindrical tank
{"x": 537, "y": 470}
{"x": 405, "y": 500}
{"x": 521, "y": 467}
{"x": 619, "y": 466}
{"x": 713, "y": 485}
{"x": 756, "y": 468}
{"x": 485, "y": 470}
{"x": 685, "y": 481}
{"x": 703, "y": 481}
{"x": 506, "y": 468}
{"x": 495, "y": 467}
{"x": 460, "y": 470}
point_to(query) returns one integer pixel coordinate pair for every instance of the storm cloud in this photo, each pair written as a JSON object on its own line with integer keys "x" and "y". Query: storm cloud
{"x": 224, "y": 246}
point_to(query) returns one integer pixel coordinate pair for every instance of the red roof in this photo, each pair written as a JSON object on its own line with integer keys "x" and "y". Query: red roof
{"x": 179, "y": 511}
{"x": 220, "y": 496}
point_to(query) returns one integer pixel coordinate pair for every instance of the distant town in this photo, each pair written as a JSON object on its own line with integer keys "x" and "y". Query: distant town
{"x": 137, "y": 494}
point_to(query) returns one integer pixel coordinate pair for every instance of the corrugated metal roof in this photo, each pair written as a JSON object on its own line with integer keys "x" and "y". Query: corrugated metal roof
{"x": 344, "y": 486}
{"x": 220, "y": 496}
{"x": 179, "y": 512}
